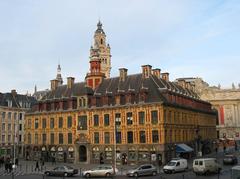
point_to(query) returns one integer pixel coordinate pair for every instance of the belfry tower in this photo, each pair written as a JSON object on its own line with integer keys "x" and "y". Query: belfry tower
{"x": 102, "y": 49}
{"x": 59, "y": 76}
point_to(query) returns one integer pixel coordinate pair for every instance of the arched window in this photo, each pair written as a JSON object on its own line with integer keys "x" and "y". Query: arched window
{"x": 101, "y": 41}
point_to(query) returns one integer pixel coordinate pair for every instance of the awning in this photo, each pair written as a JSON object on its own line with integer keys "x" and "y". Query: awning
{"x": 183, "y": 148}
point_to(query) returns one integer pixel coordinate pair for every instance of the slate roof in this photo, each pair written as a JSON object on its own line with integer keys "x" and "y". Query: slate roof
{"x": 78, "y": 89}
{"x": 17, "y": 100}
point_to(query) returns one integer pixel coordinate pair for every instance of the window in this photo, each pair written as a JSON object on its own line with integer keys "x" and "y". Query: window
{"x": 95, "y": 120}
{"x": 3, "y": 126}
{"x": 200, "y": 162}
{"x": 129, "y": 118}
{"x": 118, "y": 137}
{"x": 15, "y": 116}
{"x": 52, "y": 138}
{"x": 96, "y": 137}
{"x": 20, "y": 116}
{"x": 69, "y": 122}
{"x": 20, "y": 138}
{"x": 51, "y": 123}
{"x": 20, "y": 127}
{"x": 60, "y": 122}
{"x": 3, "y": 115}
{"x": 142, "y": 137}
{"x": 36, "y": 123}
{"x": 9, "y": 127}
{"x": 141, "y": 118}
{"x": 130, "y": 137}
{"x": 9, "y": 115}
{"x": 44, "y": 138}
{"x": 154, "y": 117}
{"x": 107, "y": 137}
{"x": 29, "y": 138}
{"x": 155, "y": 137}
{"x": 118, "y": 119}
{"x": 106, "y": 119}
{"x": 69, "y": 138}
{"x": 60, "y": 138}
{"x": 36, "y": 138}
{"x": 44, "y": 123}
{"x": 82, "y": 122}
{"x": 3, "y": 138}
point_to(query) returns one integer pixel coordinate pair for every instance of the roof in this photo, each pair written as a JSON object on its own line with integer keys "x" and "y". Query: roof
{"x": 78, "y": 89}
{"x": 16, "y": 100}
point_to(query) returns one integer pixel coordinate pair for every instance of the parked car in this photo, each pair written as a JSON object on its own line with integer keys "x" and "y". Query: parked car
{"x": 100, "y": 171}
{"x": 230, "y": 159}
{"x": 176, "y": 165}
{"x": 62, "y": 171}
{"x": 146, "y": 169}
{"x": 206, "y": 166}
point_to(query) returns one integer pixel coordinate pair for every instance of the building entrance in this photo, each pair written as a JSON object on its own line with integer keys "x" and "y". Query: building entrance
{"x": 82, "y": 153}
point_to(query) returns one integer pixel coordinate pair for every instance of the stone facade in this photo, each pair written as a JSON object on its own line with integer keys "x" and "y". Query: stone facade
{"x": 226, "y": 102}
{"x": 13, "y": 107}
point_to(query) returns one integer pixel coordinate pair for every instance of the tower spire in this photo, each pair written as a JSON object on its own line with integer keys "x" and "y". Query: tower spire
{"x": 59, "y": 76}
{"x": 102, "y": 49}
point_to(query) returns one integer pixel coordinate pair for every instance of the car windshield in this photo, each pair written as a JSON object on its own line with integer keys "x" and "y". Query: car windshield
{"x": 69, "y": 168}
{"x": 171, "y": 163}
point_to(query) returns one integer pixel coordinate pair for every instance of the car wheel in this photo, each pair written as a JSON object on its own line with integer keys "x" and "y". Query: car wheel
{"x": 87, "y": 175}
{"x": 108, "y": 174}
{"x": 47, "y": 173}
{"x": 173, "y": 171}
{"x": 65, "y": 174}
{"x": 135, "y": 174}
{"x": 154, "y": 173}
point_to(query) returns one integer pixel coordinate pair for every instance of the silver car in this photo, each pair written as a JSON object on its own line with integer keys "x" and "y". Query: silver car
{"x": 100, "y": 171}
{"x": 146, "y": 169}
{"x": 62, "y": 171}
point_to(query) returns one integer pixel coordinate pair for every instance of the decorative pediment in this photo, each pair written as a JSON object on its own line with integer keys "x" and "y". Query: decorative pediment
{"x": 82, "y": 138}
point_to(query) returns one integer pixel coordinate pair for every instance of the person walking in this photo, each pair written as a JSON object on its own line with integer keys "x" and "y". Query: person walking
{"x": 37, "y": 166}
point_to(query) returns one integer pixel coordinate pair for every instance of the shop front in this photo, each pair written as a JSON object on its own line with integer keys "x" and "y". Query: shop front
{"x": 70, "y": 156}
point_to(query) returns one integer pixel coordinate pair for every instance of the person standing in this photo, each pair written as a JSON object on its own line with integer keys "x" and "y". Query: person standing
{"x": 37, "y": 166}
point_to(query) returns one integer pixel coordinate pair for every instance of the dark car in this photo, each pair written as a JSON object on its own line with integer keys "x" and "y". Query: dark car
{"x": 62, "y": 171}
{"x": 230, "y": 159}
{"x": 146, "y": 169}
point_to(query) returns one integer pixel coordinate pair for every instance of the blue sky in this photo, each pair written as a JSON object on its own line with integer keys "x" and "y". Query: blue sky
{"x": 187, "y": 38}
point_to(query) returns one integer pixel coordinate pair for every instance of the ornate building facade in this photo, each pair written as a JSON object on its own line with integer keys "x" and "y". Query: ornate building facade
{"x": 226, "y": 102}
{"x": 134, "y": 116}
{"x": 13, "y": 107}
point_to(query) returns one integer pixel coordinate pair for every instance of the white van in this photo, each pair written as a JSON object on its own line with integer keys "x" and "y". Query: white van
{"x": 206, "y": 166}
{"x": 176, "y": 165}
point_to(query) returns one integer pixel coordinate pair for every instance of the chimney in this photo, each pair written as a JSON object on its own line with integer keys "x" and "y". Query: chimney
{"x": 70, "y": 82}
{"x": 156, "y": 72}
{"x": 182, "y": 83}
{"x": 165, "y": 76}
{"x": 54, "y": 84}
{"x": 146, "y": 71}
{"x": 14, "y": 92}
{"x": 123, "y": 74}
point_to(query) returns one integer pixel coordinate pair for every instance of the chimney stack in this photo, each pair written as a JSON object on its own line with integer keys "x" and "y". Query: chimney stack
{"x": 123, "y": 74}
{"x": 14, "y": 92}
{"x": 146, "y": 71}
{"x": 156, "y": 72}
{"x": 54, "y": 84}
{"x": 165, "y": 76}
{"x": 70, "y": 82}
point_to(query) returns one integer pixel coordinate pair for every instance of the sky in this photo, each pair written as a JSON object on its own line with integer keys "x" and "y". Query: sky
{"x": 187, "y": 38}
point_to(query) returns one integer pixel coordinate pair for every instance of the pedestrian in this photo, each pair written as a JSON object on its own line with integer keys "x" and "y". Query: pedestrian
{"x": 224, "y": 149}
{"x": 216, "y": 150}
{"x": 37, "y": 166}
{"x": 236, "y": 146}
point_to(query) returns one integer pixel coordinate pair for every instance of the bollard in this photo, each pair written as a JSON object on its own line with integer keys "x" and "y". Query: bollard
{"x": 26, "y": 168}
{"x": 12, "y": 175}
{"x": 32, "y": 169}
{"x": 80, "y": 171}
{"x": 183, "y": 176}
{"x": 43, "y": 176}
